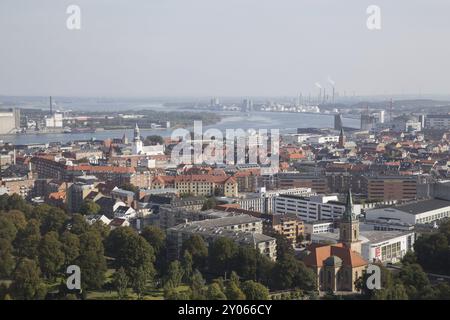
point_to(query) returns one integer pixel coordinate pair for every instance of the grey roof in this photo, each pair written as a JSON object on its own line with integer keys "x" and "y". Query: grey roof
{"x": 122, "y": 191}
{"x": 226, "y": 221}
{"x": 422, "y": 206}
{"x": 251, "y": 238}
{"x": 379, "y": 236}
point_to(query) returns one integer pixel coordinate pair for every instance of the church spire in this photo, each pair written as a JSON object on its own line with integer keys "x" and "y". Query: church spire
{"x": 137, "y": 134}
{"x": 349, "y": 215}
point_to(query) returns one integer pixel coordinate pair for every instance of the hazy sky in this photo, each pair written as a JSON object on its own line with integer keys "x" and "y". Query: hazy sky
{"x": 223, "y": 47}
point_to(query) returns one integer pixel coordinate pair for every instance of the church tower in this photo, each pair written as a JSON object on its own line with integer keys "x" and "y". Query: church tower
{"x": 349, "y": 227}
{"x": 341, "y": 138}
{"x": 137, "y": 142}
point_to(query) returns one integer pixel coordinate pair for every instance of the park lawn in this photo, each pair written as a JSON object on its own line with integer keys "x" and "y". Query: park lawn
{"x": 107, "y": 295}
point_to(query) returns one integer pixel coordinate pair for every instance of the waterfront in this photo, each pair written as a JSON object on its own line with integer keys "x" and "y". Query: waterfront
{"x": 285, "y": 122}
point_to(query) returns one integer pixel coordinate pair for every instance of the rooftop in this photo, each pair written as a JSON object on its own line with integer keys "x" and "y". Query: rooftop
{"x": 422, "y": 206}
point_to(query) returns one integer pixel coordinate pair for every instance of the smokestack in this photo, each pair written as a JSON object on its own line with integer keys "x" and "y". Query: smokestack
{"x": 51, "y": 105}
{"x": 333, "y": 94}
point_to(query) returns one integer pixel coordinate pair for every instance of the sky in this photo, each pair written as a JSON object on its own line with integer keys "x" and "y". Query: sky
{"x": 177, "y": 48}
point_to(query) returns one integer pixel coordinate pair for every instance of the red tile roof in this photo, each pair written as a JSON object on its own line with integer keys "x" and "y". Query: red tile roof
{"x": 319, "y": 253}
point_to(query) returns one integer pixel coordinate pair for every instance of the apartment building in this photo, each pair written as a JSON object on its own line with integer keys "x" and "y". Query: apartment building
{"x": 314, "y": 208}
{"x": 263, "y": 200}
{"x": 242, "y": 229}
{"x": 198, "y": 185}
{"x": 388, "y": 188}
{"x": 316, "y": 183}
{"x": 289, "y": 226}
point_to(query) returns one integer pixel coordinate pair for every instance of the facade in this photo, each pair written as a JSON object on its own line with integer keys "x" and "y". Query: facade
{"x": 312, "y": 208}
{"x": 289, "y": 226}
{"x": 287, "y": 180}
{"x": 9, "y": 121}
{"x": 386, "y": 246}
{"x": 242, "y": 229}
{"x": 76, "y": 194}
{"x": 198, "y": 185}
{"x": 437, "y": 121}
{"x": 388, "y": 188}
{"x": 317, "y": 227}
{"x": 54, "y": 121}
{"x": 417, "y": 212}
{"x": 263, "y": 201}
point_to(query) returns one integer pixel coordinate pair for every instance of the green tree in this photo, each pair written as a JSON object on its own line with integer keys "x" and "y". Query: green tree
{"x": 6, "y": 258}
{"x": 414, "y": 280}
{"x": 197, "y": 286}
{"x": 433, "y": 252}
{"x": 284, "y": 246}
{"x": 155, "y": 237}
{"x": 215, "y": 292}
{"x": 132, "y": 252}
{"x": 53, "y": 220}
{"x": 27, "y": 283}
{"x": 153, "y": 140}
{"x": 89, "y": 207}
{"x": 140, "y": 280}
{"x": 221, "y": 254}
{"x": 174, "y": 273}
{"x": 51, "y": 255}
{"x": 196, "y": 246}
{"x": 233, "y": 290}
{"x": 210, "y": 203}
{"x": 120, "y": 283}
{"x": 8, "y": 231}
{"x": 409, "y": 258}
{"x": 91, "y": 261}
{"x": 187, "y": 265}
{"x": 28, "y": 239}
{"x": 70, "y": 246}
{"x": 397, "y": 292}
{"x": 40, "y": 211}
{"x": 78, "y": 224}
{"x": 255, "y": 291}
{"x": 290, "y": 273}
{"x": 17, "y": 218}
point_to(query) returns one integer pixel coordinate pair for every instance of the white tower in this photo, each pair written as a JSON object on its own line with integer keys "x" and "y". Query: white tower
{"x": 137, "y": 142}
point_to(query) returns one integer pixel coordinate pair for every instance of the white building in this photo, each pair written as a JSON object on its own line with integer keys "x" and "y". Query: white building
{"x": 417, "y": 212}
{"x": 314, "y": 208}
{"x": 263, "y": 201}
{"x": 55, "y": 121}
{"x": 406, "y": 123}
{"x": 386, "y": 246}
{"x": 139, "y": 148}
{"x": 9, "y": 121}
{"x": 437, "y": 121}
{"x": 318, "y": 139}
{"x": 316, "y": 227}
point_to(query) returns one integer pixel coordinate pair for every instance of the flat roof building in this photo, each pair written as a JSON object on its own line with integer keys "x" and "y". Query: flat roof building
{"x": 417, "y": 212}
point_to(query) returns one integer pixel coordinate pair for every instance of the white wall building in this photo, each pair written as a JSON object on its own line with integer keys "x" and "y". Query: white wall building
{"x": 55, "y": 121}
{"x": 386, "y": 246}
{"x": 418, "y": 212}
{"x": 316, "y": 227}
{"x": 314, "y": 208}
